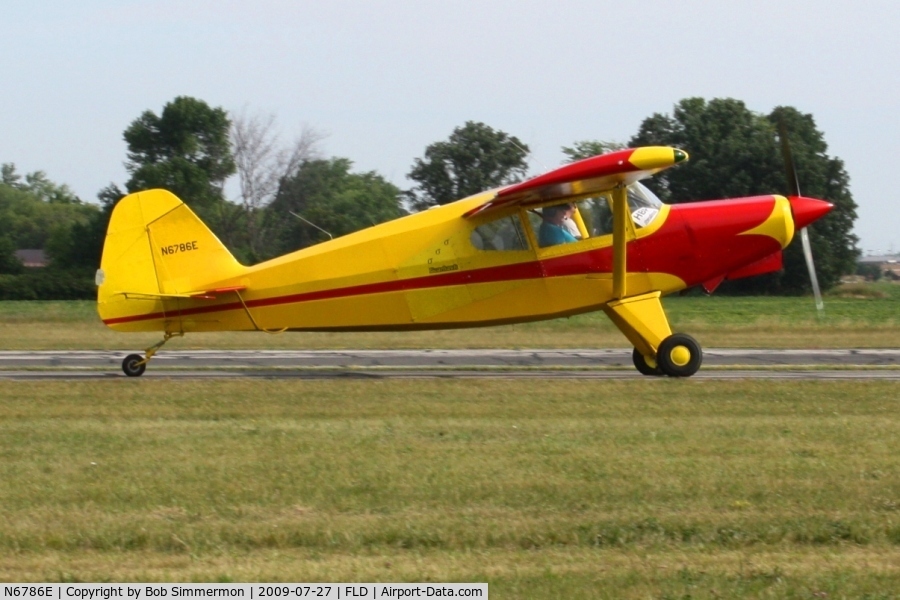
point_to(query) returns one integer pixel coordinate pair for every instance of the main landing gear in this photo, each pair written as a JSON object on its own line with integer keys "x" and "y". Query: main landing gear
{"x": 657, "y": 351}
{"x": 679, "y": 355}
{"x": 134, "y": 365}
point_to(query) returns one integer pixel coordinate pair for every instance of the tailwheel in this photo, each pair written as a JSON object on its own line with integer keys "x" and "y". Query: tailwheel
{"x": 643, "y": 365}
{"x": 134, "y": 365}
{"x": 679, "y": 355}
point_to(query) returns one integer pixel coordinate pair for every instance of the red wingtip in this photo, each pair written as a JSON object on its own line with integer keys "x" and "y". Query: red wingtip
{"x": 807, "y": 210}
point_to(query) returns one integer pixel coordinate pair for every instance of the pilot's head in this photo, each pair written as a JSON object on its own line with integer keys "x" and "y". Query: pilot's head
{"x": 557, "y": 213}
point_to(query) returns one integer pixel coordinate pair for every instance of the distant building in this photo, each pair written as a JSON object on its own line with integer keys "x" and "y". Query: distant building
{"x": 33, "y": 258}
{"x": 889, "y": 264}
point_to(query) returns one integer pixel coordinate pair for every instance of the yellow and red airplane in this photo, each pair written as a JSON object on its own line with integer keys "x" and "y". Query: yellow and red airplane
{"x": 489, "y": 259}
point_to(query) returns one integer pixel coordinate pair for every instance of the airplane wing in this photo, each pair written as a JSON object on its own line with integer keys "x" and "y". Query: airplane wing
{"x": 597, "y": 174}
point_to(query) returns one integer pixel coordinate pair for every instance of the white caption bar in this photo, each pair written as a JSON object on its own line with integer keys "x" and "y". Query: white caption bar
{"x": 255, "y": 591}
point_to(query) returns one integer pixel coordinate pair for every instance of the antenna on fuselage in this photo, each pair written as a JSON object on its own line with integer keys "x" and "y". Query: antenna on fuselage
{"x": 308, "y": 222}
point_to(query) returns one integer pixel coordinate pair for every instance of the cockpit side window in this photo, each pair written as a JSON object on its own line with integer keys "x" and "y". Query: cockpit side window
{"x": 500, "y": 234}
{"x": 597, "y": 214}
{"x": 594, "y": 213}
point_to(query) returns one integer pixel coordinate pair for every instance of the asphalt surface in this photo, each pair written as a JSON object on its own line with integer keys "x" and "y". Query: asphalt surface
{"x": 893, "y": 375}
{"x": 379, "y": 364}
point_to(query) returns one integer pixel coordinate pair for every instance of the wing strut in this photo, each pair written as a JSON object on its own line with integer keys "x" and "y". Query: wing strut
{"x": 623, "y": 232}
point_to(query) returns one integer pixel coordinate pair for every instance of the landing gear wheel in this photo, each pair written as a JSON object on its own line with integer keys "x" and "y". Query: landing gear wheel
{"x": 679, "y": 355}
{"x": 640, "y": 363}
{"x": 133, "y": 365}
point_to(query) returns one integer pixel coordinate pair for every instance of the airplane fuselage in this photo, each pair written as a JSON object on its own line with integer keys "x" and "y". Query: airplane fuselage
{"x": 423, "y": 271}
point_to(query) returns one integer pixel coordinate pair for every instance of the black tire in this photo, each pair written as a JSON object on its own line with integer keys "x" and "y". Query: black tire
{"x": 679, "y": 355}
{"x": 640, "y": 363}
{"x": 132, "y": 365}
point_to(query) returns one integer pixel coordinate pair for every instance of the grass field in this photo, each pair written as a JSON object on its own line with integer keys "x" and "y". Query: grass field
{"x": 861, "y": 317}
{"x": 544, "y": 489}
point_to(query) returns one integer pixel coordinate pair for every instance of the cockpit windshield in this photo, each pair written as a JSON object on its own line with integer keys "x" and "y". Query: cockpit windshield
{"x": 596, "y": 212}
{"x": 643, "y": 203}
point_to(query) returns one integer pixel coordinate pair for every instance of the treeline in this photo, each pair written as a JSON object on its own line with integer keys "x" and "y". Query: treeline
{"x": 38, "y": 214}
{"x": 291, "y": 196}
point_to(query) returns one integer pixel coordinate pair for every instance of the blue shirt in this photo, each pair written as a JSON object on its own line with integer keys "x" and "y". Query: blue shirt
{"x": 553, "y": 235}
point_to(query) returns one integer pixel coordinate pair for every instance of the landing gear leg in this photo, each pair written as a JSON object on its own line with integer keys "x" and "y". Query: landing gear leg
{"x": 657, "y": 351}
{"x": 134, "y": 365}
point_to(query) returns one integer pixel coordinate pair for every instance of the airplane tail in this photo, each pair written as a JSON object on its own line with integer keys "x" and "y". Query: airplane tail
{"x": 157, "y": 248}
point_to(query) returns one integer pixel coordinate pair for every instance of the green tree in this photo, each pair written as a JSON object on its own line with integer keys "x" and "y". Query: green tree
{"x": 325, "y": 193}
{"x": 80, "y": 245}
{"x": 9, "y": 176}
{"x": 31, "y": 209}
{"x": 734, "y": 153}
{"x": 185, "y": 150}
{"x": 38, "y": 213}
{"x": 38, "y": 185}
{"x": 475, "y": 158}
{"x": 871, "y": 271}
{"x": 9, "y": 264}
{"x": 588, "y": 148}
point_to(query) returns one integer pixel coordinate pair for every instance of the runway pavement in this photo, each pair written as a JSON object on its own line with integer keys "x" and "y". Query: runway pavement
{"x": 570, "y": 364}
{"x": 719, "y": 375}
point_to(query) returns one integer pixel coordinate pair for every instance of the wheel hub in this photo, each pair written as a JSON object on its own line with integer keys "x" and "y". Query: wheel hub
{"x": 680, "y": 355}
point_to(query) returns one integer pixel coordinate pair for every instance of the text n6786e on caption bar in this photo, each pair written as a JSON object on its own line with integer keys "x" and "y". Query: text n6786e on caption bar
{"x": 244, "y": 591}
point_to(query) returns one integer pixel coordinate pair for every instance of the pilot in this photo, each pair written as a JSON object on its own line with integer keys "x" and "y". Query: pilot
{"x": 553, "y": 230}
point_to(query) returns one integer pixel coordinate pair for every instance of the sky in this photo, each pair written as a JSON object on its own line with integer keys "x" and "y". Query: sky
{"x": 384, "y": 79}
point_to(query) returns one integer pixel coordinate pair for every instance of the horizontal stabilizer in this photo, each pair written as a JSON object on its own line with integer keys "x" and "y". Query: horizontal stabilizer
{"x": 204, "y": 295}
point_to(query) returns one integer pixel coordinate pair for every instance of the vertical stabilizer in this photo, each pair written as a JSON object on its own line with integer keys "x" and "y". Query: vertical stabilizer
{"x": 157, "y": 247}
